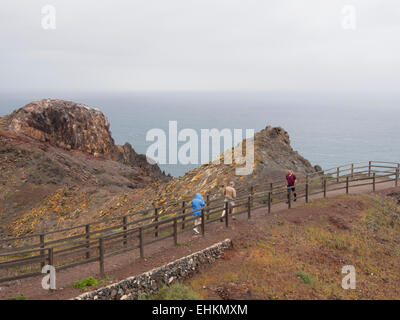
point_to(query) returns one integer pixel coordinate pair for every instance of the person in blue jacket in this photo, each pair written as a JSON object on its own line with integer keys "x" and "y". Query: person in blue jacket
{"x": 197, "y": 204}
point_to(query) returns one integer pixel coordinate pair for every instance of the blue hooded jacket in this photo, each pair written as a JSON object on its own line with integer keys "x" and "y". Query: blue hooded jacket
{"x": 198, "y": 203}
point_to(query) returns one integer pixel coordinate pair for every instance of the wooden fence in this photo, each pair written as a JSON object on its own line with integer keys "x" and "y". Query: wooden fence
{"x": 91, "y": 244}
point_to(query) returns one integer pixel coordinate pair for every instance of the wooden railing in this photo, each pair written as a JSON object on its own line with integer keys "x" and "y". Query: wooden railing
{"x": 91, "y": 244}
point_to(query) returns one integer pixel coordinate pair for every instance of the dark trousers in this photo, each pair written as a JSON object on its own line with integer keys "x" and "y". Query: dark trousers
{"x": 293, "y": 188}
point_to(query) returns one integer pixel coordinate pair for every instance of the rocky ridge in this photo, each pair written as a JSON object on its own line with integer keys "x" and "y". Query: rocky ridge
{"x": 273, "y": 156}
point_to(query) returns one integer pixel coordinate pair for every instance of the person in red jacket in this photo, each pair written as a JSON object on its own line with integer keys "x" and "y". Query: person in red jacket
{"x": 291, "y": 181}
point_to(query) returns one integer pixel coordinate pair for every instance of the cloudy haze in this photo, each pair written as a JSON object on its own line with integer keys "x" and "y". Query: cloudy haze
{"x": 188, "y": 45}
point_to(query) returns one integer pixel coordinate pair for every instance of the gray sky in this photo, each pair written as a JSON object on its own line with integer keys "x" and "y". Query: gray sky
{"x": 190, "y": 45}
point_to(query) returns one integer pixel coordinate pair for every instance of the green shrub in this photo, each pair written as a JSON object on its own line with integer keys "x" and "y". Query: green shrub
{"x": 305, "y": 277}
{"x": 107, "y": 279}
{"x": 17, "y": 298}
{"x": 88, "y": 282}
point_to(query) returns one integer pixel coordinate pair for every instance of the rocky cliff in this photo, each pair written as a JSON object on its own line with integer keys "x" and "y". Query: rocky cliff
{"x": 273, "y": 156}
{"x": 64, "y": 124}
{"x": 73, "y": 126}
{"x": 59, "y": 162}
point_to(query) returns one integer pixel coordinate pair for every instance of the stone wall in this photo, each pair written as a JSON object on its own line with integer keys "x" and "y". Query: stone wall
{"x": 151, "y": 281}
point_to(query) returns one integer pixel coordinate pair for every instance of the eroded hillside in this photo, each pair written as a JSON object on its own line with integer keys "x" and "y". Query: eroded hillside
{"x": 60, "y": 167}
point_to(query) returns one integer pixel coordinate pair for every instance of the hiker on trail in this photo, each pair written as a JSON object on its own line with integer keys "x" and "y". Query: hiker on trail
{"x": 291, "y": 181}
{"x": 197, "y": 204}
{"x": 230, "y": 196}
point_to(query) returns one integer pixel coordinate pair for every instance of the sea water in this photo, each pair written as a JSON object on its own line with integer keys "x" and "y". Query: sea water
{"x": 327, "y": 129}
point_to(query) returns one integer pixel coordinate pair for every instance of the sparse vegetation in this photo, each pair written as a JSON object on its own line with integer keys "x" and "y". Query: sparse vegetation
{"x": 107, "y": 279}
{"x": 177, "y": 291}
{"x": 302, "y": 258}
{"x": 305, "y": 277}
{"x": 85, "y": 283}
{"x": 167, "y": 216}
{"x": 186, "y": 244}
{"x": 18, "y": 298}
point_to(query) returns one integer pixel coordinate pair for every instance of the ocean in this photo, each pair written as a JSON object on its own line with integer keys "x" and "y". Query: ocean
{"x": 327, "y": 129}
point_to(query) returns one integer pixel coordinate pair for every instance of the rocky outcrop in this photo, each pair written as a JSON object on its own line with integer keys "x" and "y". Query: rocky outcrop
{"x": 273, "y": 156}
{"x": 64, "y": 124}
{"x": 128, "y": 156}
{"x": 74, "y": 126}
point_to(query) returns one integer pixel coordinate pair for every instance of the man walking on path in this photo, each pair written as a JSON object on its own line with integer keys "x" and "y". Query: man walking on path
{"x": 197, "y": 204}
{"x": 291, "y": 181}
{"x": 230, "y": 196}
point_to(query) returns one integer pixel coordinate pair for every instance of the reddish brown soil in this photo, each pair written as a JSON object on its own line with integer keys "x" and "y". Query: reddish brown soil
{"x": 43, "y": 188}
{"x": 316, "y": 240}
{"x": 242, "y": 231}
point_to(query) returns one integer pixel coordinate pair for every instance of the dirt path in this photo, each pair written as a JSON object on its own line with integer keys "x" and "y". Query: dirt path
{"x": 128, "y": 264}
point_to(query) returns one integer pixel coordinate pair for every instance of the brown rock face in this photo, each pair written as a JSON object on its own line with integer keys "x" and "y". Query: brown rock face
{"x": 128, "y": 156}
{"x": 64, "y": 124}
{"x": 74, "y": 126}
{"x": 273, "y": 156}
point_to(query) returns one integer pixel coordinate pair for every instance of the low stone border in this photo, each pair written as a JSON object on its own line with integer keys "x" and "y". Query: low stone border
{"x": 151, "y": 281}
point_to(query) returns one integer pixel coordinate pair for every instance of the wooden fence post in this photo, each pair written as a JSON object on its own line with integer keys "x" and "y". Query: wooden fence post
{"x": 51, "y": 261}
{"x": 156, "y": 220}
{"x": 101, "y": 256}
{"x": 87, "y": 231}
{"x": 271, "y": 187}
{"x": 183, "y": 213}
{"x": 41, "y": 236}
{"x": 352, "y": 171}
{"x": 325, "y": 187}
{"x": 269, "y": 201}
{"x": 396, "y": 181}
{"x": 307, "y": 189}
{"x": 337, "y": 174}
{"x": 373, "y": 182}
{"x": 251, "y": 195}
{"x": 249, "y": 207}
{"x": 176, "y": 231}
{"x": 125, "y": 228}
{"x": 347, "y": 185}
{"x": 369, "y": 168}
{"x": 226, "y": 214}
{"x": 51, "y": 257}
{"x": 208, "y": 204}
{"x": 202, "y": 222}
{"x": 141, "y": 242}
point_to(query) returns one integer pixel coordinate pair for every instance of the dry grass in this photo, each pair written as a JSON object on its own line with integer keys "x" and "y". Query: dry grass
{"x": 304, "y": 261}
